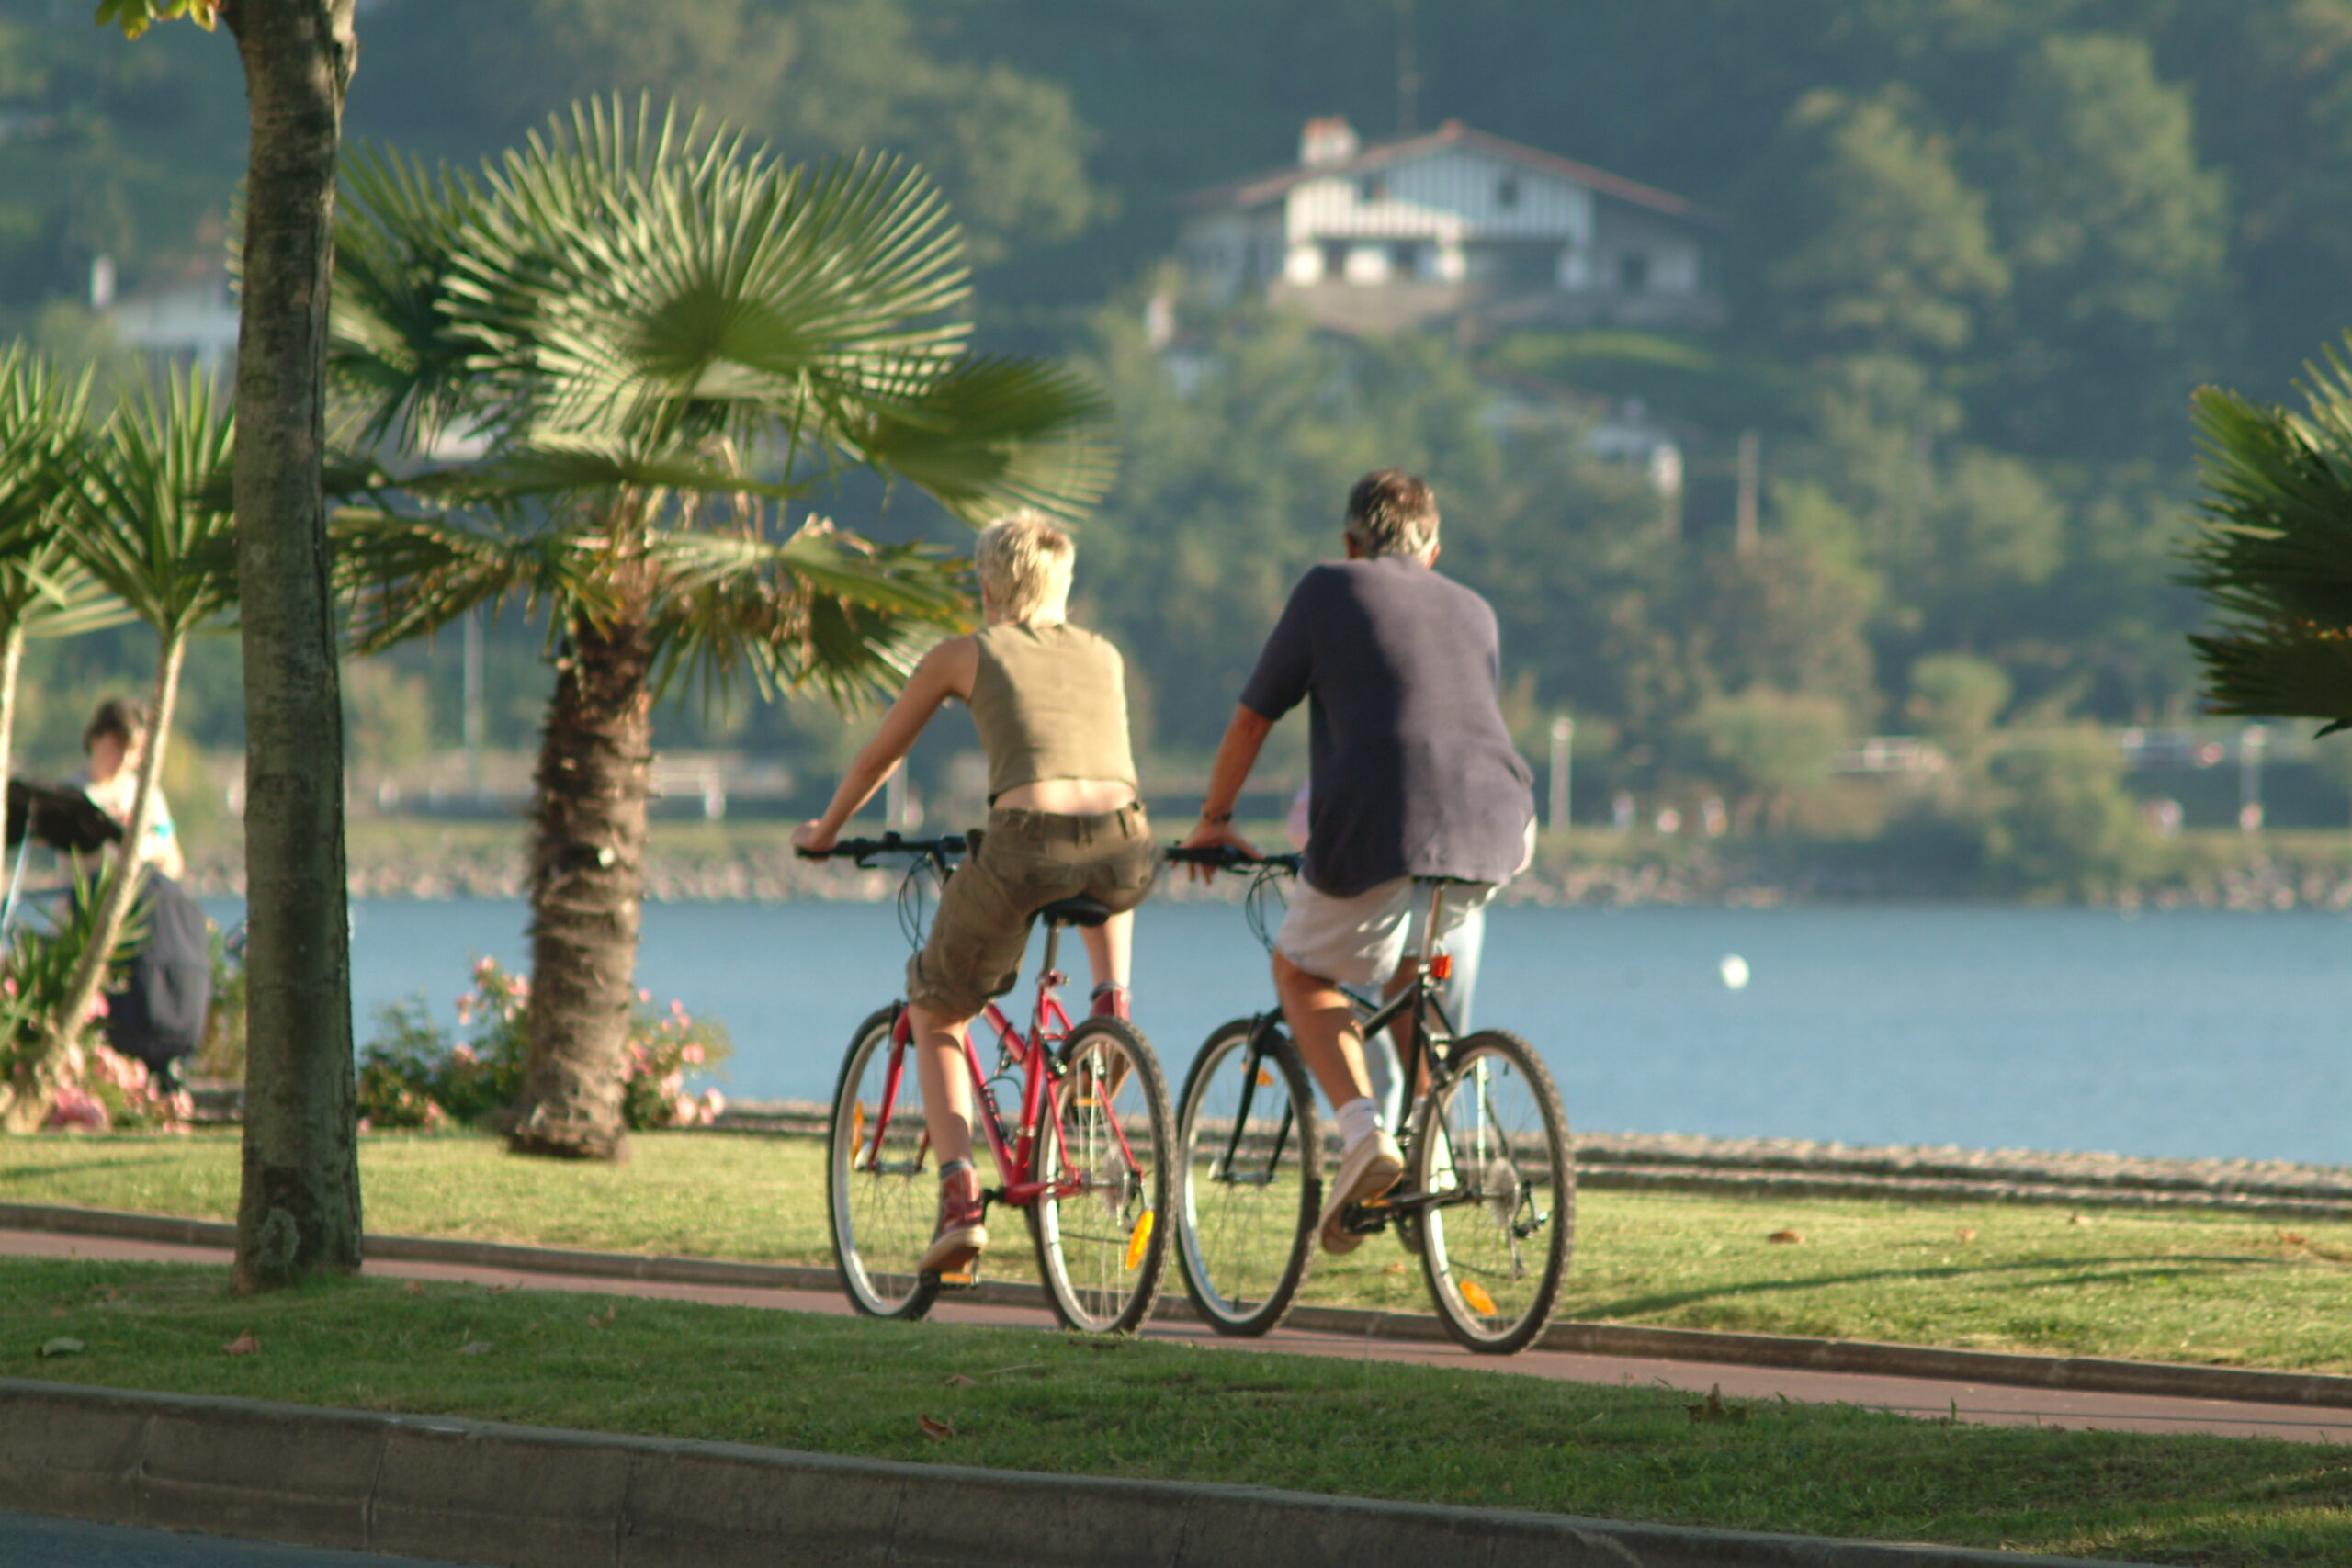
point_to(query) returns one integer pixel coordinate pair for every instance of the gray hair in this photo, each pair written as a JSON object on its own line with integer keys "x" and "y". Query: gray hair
{"x": 1392, "y": 512}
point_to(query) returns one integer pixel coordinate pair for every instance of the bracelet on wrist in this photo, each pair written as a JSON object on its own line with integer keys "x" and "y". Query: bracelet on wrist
{"x": 1215, "y": 819}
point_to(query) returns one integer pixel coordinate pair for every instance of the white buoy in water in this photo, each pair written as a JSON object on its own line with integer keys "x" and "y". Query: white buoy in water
{"x": 1733, "y": 969}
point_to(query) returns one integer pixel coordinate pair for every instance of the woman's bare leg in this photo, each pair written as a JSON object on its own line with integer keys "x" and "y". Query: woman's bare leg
{"x": 1111, "y": 949}
{"x": 947, "y": 1084}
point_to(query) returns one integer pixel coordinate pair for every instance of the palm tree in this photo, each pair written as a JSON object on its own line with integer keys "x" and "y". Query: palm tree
{"x": 662, "y": 338}
{"x": 43, "y": 590}
{"x": 2274, "y": 554}
{"x": 149, "y": 523}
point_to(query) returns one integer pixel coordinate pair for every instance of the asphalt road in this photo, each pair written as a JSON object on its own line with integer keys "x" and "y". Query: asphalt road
{"x": 36, "y": 1540}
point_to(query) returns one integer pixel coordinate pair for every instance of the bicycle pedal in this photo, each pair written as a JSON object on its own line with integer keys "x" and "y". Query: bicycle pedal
{"x": 962, "y": 1280}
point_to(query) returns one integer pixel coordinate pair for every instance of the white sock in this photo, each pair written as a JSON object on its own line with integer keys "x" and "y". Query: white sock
{"x": 1359, "y": 1119}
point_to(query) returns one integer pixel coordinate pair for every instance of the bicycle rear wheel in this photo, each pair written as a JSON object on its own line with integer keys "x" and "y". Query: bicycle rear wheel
{"x": 1494, "y": 1142}
{"x": 881, "y": 1182}
{"x": 1250, "y": 1177}
{"x": 1100, "y": 1245}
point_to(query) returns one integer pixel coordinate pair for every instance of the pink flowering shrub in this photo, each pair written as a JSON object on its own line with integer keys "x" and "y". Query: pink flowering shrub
{"x": 90, "y": 1087}
{"x": 413, "y": 1075}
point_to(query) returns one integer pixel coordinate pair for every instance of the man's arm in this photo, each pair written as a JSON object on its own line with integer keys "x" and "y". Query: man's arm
{"x": 1236, "y": 755}
{"x": 945, "y": 671}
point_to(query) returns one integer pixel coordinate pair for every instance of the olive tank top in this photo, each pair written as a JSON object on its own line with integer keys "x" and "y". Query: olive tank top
{"x": 1050, "y": 702}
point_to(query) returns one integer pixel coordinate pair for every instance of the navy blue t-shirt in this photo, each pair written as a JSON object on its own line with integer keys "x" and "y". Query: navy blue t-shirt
{"x": 1414, "y": 772}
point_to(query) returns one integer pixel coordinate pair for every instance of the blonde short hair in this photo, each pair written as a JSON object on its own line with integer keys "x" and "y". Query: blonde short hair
{"x": 1025, "y": 565}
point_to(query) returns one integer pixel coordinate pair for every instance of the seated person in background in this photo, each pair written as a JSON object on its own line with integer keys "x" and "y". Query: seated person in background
{"x": 158, "y": 1015}
{"x": 1414, "y": 774}
{"x": 116, "y": 743}
{"x": 1049, "y": 700}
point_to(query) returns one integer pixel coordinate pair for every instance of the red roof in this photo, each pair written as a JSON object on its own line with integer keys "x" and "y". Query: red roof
{"x": 1255, "y": 190}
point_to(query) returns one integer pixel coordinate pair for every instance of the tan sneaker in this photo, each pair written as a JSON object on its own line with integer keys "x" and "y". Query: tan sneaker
{"x": 1366, "y": 1171}
{"x": 961, "y": 1236}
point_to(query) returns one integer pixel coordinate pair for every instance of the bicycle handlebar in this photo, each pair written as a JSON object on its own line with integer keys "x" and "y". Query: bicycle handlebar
{"x": 1224, "y": 857}
{"x": 891, "y": 844}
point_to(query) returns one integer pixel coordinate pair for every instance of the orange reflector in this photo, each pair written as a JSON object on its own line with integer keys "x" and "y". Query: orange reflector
{"x": 856, "y": 1131}
{"x": 1441, "y": 966}
{"x": 1265, "y": 1078}
{"x": 1140, "y": 1241}
{"x": 1475, "y": 1295}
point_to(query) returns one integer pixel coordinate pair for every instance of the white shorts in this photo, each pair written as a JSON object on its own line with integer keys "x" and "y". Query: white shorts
{"x": 1361, "y": 940}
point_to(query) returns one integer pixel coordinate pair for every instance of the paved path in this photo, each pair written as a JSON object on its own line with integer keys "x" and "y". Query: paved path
{"x": 36, "y": 1540}
{"x": 1981, "y": 1404}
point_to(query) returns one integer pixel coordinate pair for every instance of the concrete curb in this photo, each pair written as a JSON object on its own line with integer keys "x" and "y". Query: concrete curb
{"x": 1861, "y": 1357}
{"x": 534, "y": 1497}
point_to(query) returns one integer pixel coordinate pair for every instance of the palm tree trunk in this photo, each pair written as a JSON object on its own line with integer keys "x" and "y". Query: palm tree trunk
{"x": 587, "y": 888}
{"x": 121, "y": 884}
{"x": 12, "y": 665}
{"x": 298, "y": 1209}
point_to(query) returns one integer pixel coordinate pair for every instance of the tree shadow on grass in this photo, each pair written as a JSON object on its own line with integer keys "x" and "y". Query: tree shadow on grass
{"x": 30, "y": 1175}
{"x": 2077, "y": 1271}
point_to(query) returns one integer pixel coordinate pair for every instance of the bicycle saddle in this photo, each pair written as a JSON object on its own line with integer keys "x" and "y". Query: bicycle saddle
{"x": 1080, "y": 912}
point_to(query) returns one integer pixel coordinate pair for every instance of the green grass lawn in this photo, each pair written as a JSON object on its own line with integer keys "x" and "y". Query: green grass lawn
{"x": 2231, "y": 1290}
{"x": 1041, "y": 1402}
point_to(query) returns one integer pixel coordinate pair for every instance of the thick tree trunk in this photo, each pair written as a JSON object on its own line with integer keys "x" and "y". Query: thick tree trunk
{"x": 299, "y": 1208}
{"x": 121, "y": 884}
{"x": 587, "y": 889}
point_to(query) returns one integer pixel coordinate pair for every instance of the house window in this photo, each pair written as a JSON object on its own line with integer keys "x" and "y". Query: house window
{"x": 1405, "y": 260}
{"x": 1507, "y": 193}
{"x": 1373, "y": 187}
{"x": 1634, "y": 272}
{"x": 1335, "y": 259}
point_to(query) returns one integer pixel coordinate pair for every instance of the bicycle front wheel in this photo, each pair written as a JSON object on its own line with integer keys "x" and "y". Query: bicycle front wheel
{"x": 1250, "y": 1177}
{"x": 1101, "y": 1152}
{"x": 881, "y": 1182}
{"x": 1494, "y": 1151}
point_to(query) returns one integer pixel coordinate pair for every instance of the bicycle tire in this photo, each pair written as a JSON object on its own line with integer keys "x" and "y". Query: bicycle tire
{"x": 879, "y": 1218}
{"x": 1522, "y": 1188}
{"x": 1226, "y": 1238}
{"x": 1101, "y": 1250}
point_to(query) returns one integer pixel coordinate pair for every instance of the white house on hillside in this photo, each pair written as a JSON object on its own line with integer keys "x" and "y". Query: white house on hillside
{"x": 1455, "y": 225}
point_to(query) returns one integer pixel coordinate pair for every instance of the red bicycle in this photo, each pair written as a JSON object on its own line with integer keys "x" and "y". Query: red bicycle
{"x": 1076, "y": 1116}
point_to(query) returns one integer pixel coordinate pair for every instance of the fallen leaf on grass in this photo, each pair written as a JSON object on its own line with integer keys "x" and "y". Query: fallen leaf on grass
{"x": 1713, "y": 1407}
{"x": 244, "y": 1345}
{"x": 1394, "y": 1268}
{"x": 2293, "y": 1238}
{"x": 63, "y": 1344}
{"x": 2078, "y": 1219}
{"x": 474, "y": 1347}
{"x": 414, "y": 1288}
{"x": 1967, "y": 1234}
{"x": 500, "y": 1290}
{"x": 603, "y": 1319}
{"x": 938, "y": 1431}
{"x": 59, "y": 1312}
{"x": 1786, "y": 1237}
{"x": 957, "y": 1380}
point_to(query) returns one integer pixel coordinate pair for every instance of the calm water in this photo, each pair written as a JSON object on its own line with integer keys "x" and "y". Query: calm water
{"x": 2183, "y": 1033}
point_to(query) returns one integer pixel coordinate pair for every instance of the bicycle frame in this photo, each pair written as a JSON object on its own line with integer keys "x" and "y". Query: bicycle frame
{"x": 1423, "y": 1063}
{"x": 1015, "y": 1149}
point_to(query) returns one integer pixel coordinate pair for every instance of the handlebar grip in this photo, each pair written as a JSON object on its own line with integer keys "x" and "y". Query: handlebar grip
{"x": 1224, "y": 857}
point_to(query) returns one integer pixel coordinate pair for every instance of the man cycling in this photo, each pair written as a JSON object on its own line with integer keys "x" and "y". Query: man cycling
{"x": 1414, "y": 775}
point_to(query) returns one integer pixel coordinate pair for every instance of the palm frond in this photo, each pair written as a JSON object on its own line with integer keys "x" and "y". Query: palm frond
{"x": 994, "y": 433}
{"x": 821, "y": 608}
{"x": 406, "y": 576}
{"x": 394, "y": 357}
{"x": 534, "y": 471}
{"x": 143, "y": 526}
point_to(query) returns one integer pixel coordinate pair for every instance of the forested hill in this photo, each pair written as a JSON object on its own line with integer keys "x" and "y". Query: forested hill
{"x": 1978, "y": 253}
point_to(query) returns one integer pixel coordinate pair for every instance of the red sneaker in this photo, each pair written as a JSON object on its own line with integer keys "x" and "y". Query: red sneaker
{"x": 962, "y": 1235}
{"x": 1111, "y": 1001}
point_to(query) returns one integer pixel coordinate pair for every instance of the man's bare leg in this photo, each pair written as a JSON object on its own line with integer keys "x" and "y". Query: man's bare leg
{"x": 947, "y": 1112}
{"x": 1325, "y": 1028}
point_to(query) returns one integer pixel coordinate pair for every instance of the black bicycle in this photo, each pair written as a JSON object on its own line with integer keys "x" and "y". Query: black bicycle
{"x": 1488, "y": 1199}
